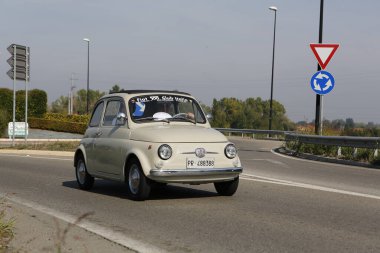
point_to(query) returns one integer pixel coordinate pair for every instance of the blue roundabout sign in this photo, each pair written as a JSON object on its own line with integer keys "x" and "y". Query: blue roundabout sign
{"x": 322, "y": 82}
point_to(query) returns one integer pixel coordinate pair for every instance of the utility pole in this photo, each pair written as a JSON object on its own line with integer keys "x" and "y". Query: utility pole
{"x": 71, "y": 94}
{"x": 88, "y": 74}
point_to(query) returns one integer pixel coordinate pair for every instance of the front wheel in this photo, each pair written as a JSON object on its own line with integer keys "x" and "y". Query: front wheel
{"x": 227, "y": 188}
{"x": 85, "y": 180}
{"x": 138, "y": 184}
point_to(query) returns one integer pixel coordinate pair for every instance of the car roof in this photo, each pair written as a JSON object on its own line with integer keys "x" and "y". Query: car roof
{"x": 150, "y": 91}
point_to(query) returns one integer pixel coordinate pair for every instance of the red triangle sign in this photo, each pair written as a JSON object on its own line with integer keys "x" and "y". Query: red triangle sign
{"x": 324, "y": 53}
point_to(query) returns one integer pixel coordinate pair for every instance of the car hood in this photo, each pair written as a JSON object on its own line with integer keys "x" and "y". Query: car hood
{"x": 173, "y": 133}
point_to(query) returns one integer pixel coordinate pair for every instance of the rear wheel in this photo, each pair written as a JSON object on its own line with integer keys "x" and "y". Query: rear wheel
{"x": 138, "y": 184}
{"x": 85, "y": 180}
{"x": 227, "y": 188}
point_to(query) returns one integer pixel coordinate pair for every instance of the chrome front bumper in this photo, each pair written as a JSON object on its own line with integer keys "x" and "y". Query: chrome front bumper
{"x": 195, "y": 175}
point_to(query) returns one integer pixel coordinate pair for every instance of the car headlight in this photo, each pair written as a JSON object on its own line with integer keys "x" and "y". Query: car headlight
{"x": 230, "y": 151}
{"x": 165, "y": 152}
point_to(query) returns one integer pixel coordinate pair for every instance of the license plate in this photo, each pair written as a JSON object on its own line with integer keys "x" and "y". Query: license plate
{"x": 200, "y": 163}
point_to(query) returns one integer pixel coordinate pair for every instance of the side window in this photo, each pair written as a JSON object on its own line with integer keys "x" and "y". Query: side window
{"x": 97, "y": 115}
{"x": 199, "y": 117}
{"x": 112, "y": 109}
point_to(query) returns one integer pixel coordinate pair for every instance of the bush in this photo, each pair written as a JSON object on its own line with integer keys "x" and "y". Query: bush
{"x": 57, "y": 125}
{"x": 6, "y": 100}
{"x": 68, "y": 118}
{"x": 37, "y": 103}
{"x": 61, "y": 122}
{"x": 4, "y": 119}
{"x": 347, "y": 153}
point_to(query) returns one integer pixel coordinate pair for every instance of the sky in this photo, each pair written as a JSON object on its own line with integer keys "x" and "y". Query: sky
{"x": 209, "y": 48}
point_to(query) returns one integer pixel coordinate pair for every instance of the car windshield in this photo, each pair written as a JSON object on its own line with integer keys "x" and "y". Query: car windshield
{"x": 167, "y": 108}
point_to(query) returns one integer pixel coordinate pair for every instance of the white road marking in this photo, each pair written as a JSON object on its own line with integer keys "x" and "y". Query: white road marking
{"x": 306, "y": 186}
{"x": 318, "y": 162}
{"x": 104, "y": 232}
{"x": 268, "y": 160}
{"x": 38, "y": 157}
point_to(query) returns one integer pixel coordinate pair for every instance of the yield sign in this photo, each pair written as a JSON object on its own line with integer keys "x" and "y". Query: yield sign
{"x": 324, "y": 53}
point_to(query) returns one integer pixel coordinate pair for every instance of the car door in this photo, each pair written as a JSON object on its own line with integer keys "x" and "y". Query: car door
{"x": 111, "y": 144}
{"x": 92, "y": 133}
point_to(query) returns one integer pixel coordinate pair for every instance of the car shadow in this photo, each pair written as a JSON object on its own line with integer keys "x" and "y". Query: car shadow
{"x": 169, "y": 192}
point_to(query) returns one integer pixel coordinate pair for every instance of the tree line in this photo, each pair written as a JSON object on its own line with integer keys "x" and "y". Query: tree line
{"x": 252, "y": 113}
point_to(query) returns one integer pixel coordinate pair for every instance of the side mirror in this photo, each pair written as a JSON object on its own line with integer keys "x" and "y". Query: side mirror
{"x": 121, "y": 119}
{"x": 209, "y": 116}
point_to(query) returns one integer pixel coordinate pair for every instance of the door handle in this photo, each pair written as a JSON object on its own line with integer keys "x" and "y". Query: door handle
{"x": 99, "y": 133}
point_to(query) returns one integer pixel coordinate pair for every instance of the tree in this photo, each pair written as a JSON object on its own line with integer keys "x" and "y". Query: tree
{"x": 206, "y": 109}
{"x": 350, "y": 124}
{"x": 114, "y": 88}
{"x": 338, "y": 124}
{"x": 249, "y": 114}
{"x": 60, "y": 105}
{"x": 37, "y": 104}
{"x": 6, "y": 102}
{"x": 219, "y": 115}
{"x": 79, "y": 104}
{"x": 80, "y": 101}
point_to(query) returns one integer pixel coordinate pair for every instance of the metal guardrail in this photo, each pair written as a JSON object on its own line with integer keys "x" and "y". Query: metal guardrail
{"x": 339, "y": 141}
{"x": 251, "y": 131}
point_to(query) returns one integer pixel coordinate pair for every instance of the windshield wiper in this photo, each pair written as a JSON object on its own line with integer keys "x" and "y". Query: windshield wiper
{"x": 152, "y": 118}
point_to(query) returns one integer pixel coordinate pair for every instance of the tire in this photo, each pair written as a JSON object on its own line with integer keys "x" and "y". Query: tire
{"x": 138, "y": 184}
{"x": 85, "y": 180}
{"x": 227, "y": 188}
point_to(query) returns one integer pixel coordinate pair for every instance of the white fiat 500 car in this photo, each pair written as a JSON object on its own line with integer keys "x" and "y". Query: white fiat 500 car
{"x": 144, "y": 138}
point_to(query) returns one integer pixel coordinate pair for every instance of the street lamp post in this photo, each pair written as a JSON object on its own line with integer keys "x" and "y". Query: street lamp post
{"x": 272, "y": 8}
{"x": 88, "y": 73}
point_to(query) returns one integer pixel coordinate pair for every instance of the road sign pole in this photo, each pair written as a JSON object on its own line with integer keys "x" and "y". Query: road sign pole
{"x": 26, "y": 92}
{"x": 319, "y": 100}
{"x": 321, "y": 117}
{"x": 14, "y": 95}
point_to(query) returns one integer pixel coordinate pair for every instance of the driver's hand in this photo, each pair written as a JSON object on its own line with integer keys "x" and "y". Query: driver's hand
{"x": 190, "y": 115}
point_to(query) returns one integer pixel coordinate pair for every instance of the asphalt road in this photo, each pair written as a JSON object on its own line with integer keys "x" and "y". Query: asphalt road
{"x": 282, "y": 205}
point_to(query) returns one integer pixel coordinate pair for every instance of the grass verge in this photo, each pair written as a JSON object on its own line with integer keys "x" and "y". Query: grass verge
{"x": 6, "y": 228}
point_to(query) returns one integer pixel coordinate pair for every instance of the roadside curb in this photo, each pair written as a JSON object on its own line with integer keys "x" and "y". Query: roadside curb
{"x": 37, "y": 152}
{"x": 292, "y": 153}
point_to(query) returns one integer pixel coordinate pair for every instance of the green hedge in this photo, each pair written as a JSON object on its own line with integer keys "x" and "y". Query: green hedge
{"x": 57, "y": 125}
{"x": 6, "y": 102}
{"x": 37, "y": 103}
{"x": 347, "y": 153}
{"x": 68, "y": 118}
{"x": 4, "y": 119}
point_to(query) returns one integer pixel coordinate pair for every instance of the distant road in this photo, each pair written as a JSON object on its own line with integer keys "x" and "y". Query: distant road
{"x": 45, "y": 134}
{"x": 282, "y": 205}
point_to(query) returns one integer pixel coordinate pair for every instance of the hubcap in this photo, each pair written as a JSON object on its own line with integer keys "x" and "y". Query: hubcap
{"x": 134, "y": 179}
{"x": 81, "y": 172}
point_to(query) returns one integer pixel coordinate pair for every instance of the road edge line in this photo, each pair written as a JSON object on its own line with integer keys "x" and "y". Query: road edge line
{"x": 108, "y": 234}
{"x": 305, "y": 186}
